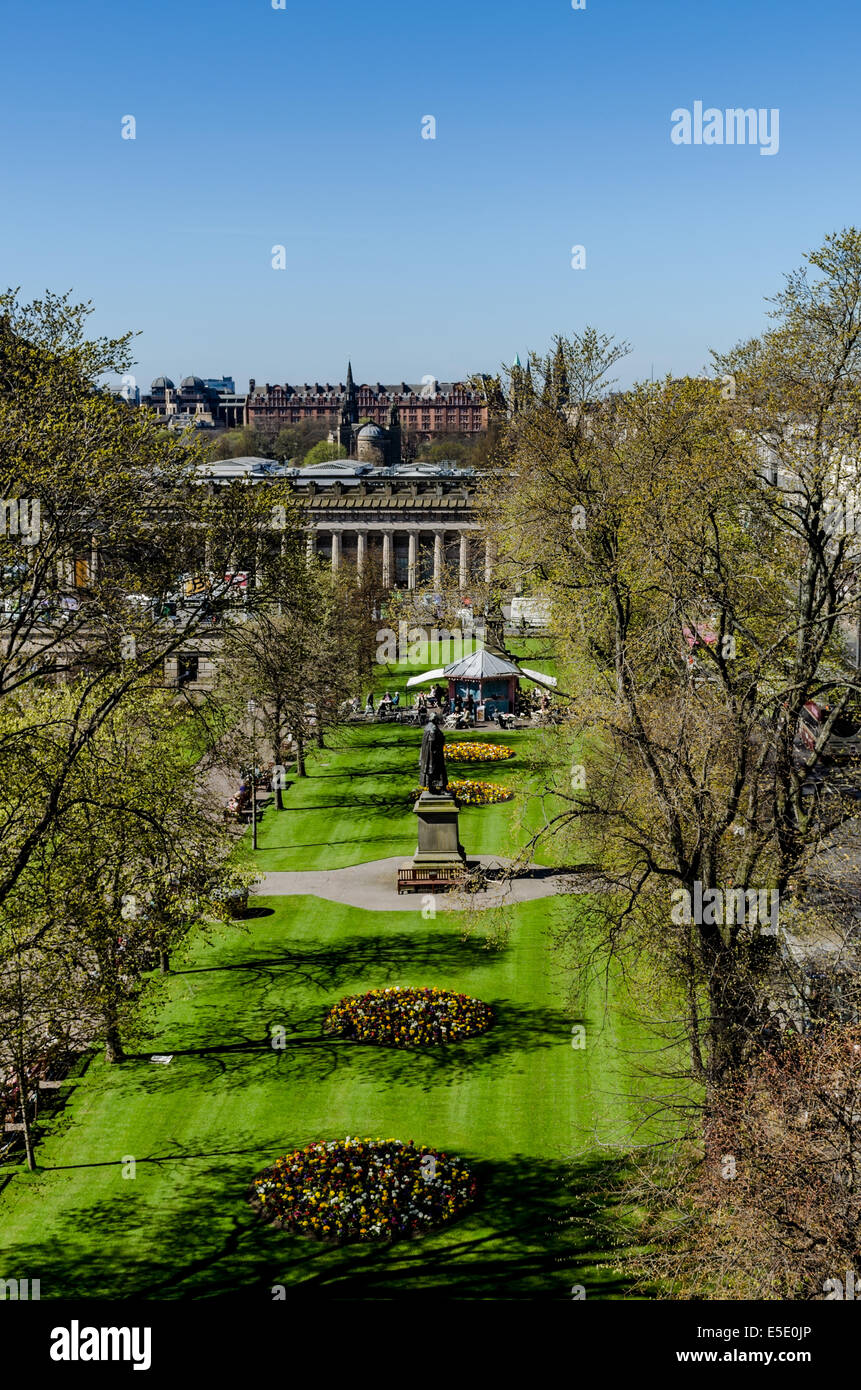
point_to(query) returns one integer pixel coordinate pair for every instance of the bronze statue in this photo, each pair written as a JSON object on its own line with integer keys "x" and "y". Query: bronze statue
{"x": 432, "y": 758}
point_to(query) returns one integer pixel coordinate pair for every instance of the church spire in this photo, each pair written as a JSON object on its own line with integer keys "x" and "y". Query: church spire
{"x": 351, "y": 405}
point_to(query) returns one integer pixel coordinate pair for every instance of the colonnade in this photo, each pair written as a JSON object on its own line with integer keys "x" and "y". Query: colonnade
{"x": 466, "y": 540}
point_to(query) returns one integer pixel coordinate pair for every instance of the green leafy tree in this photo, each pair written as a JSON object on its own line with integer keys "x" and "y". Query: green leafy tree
{"x": 324, "y": 452}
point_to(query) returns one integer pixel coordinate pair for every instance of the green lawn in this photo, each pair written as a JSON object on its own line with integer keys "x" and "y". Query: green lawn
{"x": 355, "y": 805}
{"x": 520, "y": 1103}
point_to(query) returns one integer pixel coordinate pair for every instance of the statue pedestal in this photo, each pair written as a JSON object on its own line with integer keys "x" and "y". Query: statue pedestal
{"x": 439, "y": 840}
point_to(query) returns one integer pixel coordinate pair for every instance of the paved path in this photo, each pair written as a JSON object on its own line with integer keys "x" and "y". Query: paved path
{"x": 374, "y": 885}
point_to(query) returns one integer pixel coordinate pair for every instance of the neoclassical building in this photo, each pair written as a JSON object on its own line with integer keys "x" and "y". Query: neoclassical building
{"x": 412, "y": 521}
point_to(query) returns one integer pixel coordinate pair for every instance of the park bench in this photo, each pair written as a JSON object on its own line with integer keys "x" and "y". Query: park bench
{"x": 426, "y": 879}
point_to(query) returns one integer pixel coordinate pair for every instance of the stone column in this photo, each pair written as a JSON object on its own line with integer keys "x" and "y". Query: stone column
{"x": 310, "y": 546}
{"x": 464, "y": 559}
{"x": 437, "y": 560}
{"x": 411, "y": 573}
{"x": 336, "y": 551}
{"x": 387, "y": 559}
{"x": 361, "y": 552}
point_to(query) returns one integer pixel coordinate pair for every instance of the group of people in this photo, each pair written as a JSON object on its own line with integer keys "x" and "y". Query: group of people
{"x": 463, "y": 709}
{"x": 401, "y": 1017}
{"x": 388, "y": 703}
{"x": 364, "y": 1189}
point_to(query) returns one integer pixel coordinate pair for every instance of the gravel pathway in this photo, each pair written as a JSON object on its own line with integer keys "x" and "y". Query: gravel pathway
{"x": 374, "y": 885}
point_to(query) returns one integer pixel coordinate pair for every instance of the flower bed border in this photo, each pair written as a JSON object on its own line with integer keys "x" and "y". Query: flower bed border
{"x": 410, "y": 990}
{"x": 430, "y": 1161}
{"x": 502, "y": 753}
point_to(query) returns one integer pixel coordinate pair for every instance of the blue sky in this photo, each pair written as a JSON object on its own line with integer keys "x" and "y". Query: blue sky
{"x": 302, "y": 127}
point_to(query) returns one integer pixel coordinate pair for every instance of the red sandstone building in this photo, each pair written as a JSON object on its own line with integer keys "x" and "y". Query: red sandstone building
{"x": 429, "y": 409}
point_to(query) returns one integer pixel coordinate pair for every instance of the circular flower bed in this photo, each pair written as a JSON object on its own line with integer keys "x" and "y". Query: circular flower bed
{"x": 470, "y": 793}
{"x": 403, "y": 1017}
{"x": 477, "y": 753}
{"x": 363, "y": 1189}
{"x": 480, "y": 793}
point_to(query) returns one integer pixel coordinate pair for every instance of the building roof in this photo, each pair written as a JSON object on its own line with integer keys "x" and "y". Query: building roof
{"x": 354, "y": 471}
{"x": 394, "y": 390}
{"x": 161, "y": 382}
{"x": 257, "y": 469}
{"x": 481, "y": 666}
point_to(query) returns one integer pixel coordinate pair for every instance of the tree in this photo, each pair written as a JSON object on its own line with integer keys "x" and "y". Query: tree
{"x": 770, "y": 1209}
{"x": 294, "y": 441}
{"x": 110, "y": 521}
{"x": 296, "y": 659}
{"x": 690, "y": 647}
{"x": 135, "y": 854}
{"x": 324, "y": 452}
{"x": 243, "y": 443}
{"x": 42, "y": 1020}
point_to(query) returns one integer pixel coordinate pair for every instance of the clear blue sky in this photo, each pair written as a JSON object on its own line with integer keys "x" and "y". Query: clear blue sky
{"x": 302, "y": 127}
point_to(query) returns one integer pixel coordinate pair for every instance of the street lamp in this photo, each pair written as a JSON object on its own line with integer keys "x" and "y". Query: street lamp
{"x": 252, "y": 710}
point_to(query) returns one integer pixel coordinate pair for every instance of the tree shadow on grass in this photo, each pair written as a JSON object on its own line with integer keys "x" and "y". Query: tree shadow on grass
{"x": 376, "y": 802}
{"x": 387, "y": 958}
{"x": 309, "y": 1057}
{"x": 296, "y": 846}
{"x": 529, "y": 1237}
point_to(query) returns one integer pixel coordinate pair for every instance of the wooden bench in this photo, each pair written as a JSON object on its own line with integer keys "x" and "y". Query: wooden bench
{"x": 422, "y": 879}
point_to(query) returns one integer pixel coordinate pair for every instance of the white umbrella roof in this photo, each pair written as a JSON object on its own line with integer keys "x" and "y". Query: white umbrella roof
{"x": 538, "y": 676}
{"x": 428, "y": 676}
{"x": 481, "y": 665}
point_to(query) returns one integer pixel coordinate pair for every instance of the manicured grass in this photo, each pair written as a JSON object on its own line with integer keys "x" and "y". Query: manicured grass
{"x": 355, "y": 803}
{"x": 520, "y": 1103}
{"x": 527, "y": 1109}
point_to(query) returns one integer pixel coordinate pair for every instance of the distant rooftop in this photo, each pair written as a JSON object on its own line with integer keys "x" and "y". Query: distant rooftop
{"x": 348, "y": 471}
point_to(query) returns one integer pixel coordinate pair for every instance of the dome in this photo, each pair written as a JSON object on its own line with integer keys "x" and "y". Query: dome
{"x": 192, "y": 383}
{"x": 162, "y": 382}
{"x": 370, "y": 432}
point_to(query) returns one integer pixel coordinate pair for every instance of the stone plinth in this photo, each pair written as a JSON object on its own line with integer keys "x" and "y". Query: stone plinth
{"x": 439, "y": 840}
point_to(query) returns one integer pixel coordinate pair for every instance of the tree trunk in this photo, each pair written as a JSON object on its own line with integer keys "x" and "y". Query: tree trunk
{"x": 113, "y": 1043}
{"x": 278, "y": 754}
{"x": 164, "y": 962}
{"x": 300, "y": 756}
{"x": 734, "y": 997}
{"x": 25, "y": 1103}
